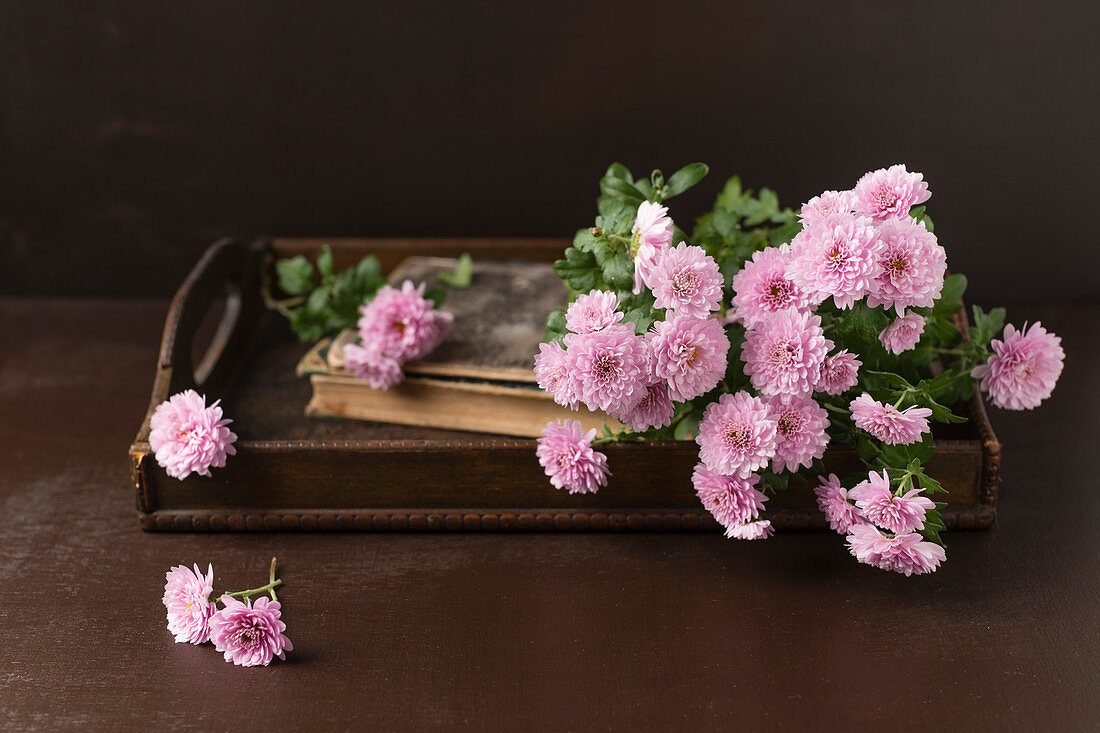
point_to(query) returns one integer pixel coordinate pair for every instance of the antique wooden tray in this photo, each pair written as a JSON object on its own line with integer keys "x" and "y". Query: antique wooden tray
{"x": 296, "y": 473}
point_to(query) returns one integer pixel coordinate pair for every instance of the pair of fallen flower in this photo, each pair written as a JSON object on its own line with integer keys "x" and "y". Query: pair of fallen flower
{"x": 249, "y": 633}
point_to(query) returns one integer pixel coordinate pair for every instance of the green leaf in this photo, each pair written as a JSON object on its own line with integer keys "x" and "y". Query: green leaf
{"x": 730, "y": 197}
{"x": 295, "y": 275}
{"x": 642, "y": 318}
{"x": 951, "y": 295}
{"x": 317, "y": 302}
{"x": 555, "y": 326}
{"x": 620, "y": 171}
{"x": 436, "y": 295}
{"x": 324, "y": 263}
{"x": 685, "y": 178}
{"x": 462, "y": 275}
{"x": 687, "y": 427}
{"x": 579, "y": 270}
{"x": 622, "y": 189}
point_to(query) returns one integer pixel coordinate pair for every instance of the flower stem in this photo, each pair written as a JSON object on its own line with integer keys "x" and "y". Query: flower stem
{"x": 253, "y": 591}
{"x": 271, "y": 581}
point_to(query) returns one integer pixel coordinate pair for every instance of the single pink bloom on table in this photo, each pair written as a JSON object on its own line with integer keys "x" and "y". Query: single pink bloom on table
{"x": 250, "y": 634}
{"x": 737, "y": 435}
{"x": 593, "y": 312}
{"x": 611, "y": 367}
{"x": 889, "y": 192}
{"x": 188, "y": 437}
{"x": 655, "y": 410}
{"x": 1023, "y": 369}
{"x": 783, "y": 354}
{"x": 903, "y": 553}
{"x": 565, "y": 453}
{"x": 759, "y": 530}
{"x": 732, "y": 501}
{"x": 836, "y": 258}
{"x": 887, "y": 423}
{"x": 653, "y": 233}
{"x": 800, "y": 431}
{"x": 902, "y": 333}
{"x": 839, "y": 373}
{"x": 911, "y": 266}
{"x": 763, "y": 287}
{"x": 826, "y": 204}
{"x": 369, "y": 363}
{"x": 187, "y": 598}
{"x": 832, "y": 499}
{"x": 877, "y": 502}
{"x": 403, "y": 323}
{"x": 556, "y": 374}
{"x": 687, "y": 281}
{"x": 690, "y": 354}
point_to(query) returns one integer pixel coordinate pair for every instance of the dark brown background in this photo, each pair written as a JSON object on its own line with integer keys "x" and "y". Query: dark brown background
{"x": 134, "y": 133}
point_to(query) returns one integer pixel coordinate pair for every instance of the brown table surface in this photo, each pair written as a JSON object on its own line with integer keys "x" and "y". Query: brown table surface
{"x": 558, "y": 631}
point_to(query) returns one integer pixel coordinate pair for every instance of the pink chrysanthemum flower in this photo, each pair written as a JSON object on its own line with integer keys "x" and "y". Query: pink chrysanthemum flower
{"x": 690, "y": 354}
{"x": 1023, "y": 369}
{"x": 611, "y": 367}
{"x": 188, "y": 437}
{"x": 800, "y": 431}
{"x": 403, "y": 323}
{"x": 593, "y": 312}
{"x": 653, "y": 232}
{"x": 784, "y": 353}
{"x": 737, "y": 435}
{"x": 902, "y": 333}
{"x": 837, "y": 257}
{"x": 877, "y": 502}
{"x": 731, "y": 500}
{"x": 369, "y": 363}
{"x": 889, "y": 192}
{"x": 887, "y": 423}
{"x": 910, "y": 268}
{"x": 832, "y": 499}
{"x": 759, "y": 530}
{"x": 687, "y": 281}
{"x": 187, "y": 598}
{"x": 839, "y": 373}
{"x": 762, "y": 287}
{"x": 826, "y": 204}
{"x": 904, "y": 553}
{"x": 250, "y": 634}
{"x": 655, "y": 410}
{"x": 555, "y": 373}
{"x": 565, "y": 453}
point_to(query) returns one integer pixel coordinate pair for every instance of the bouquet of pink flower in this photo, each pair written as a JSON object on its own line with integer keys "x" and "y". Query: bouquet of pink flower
{"x": 767, "y": 336}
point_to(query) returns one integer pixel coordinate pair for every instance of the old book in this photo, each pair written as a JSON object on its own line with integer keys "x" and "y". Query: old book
{"x": 480, "y": 378}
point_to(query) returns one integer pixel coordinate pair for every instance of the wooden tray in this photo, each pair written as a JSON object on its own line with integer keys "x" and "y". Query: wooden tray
{"x": 295, "y": 473}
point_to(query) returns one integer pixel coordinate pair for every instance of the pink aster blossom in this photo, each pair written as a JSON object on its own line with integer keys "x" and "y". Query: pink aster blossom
{"x": 555, "y": 373}
{"x": 758, "y": 530}
{"x": 611, "y": 367}
{"x": 887, "y": 423}
{"x": 655, "y": 410}
{"x": 187, "y": 598}
{"x": 403, "y": 323}
{"x": 800, "y": 431}
{"x": 833, "y": 500}
{"x": 1023, "y": 369}
{"x": 903, "y": 553}
{"x": 783, "y": 354}
{"x": 889, "y": 192}
{"x": 826, "y": 204}
{"x": 687, "y": 281}
{"x": 902, "y": 333}
{"x": 910, "y": 268}
{"x": 369, "y": 363}
{"x": 653, "y": 232}
{"x": 762, "y": 287}
{"x": 737, "y": 435}
{"x": 731, "y": 500}
{"x": 565, "y": 453}
{"x": 188, "y": 437}
{"x": 877, "y": 502}
{"x": 593, "y": 312}
{"x": 839, "y": 373}
{"x": 250, "y": 633}
{"x": 836, "y": 257}
{"x": 690, "y": 354}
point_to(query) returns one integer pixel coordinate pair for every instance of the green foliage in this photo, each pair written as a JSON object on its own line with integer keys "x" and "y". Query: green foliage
{"x": 462, "y": 275}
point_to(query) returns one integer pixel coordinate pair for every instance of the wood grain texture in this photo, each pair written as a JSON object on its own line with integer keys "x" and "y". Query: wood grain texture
{"x": 527, "y": 631}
